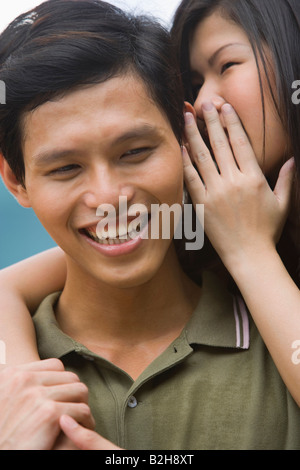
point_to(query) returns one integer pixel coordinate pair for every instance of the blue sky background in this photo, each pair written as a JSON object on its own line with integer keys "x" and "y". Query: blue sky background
{"x": 21, "y": 234}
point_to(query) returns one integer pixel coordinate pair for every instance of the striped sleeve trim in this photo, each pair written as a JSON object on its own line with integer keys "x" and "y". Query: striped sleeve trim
{"x": 241, "y": 316}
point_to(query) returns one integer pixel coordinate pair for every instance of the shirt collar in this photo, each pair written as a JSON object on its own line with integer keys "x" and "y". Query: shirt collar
{"x": 220, "y": 320}
{"x": 52, "y": 342}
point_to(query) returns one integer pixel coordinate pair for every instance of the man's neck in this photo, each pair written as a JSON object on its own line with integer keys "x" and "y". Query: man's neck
{"x": 123, "y": 324}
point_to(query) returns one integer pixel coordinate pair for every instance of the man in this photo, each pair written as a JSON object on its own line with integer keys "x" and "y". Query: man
{"x": 94, "y": 113}
{"x": 94, "y": 124}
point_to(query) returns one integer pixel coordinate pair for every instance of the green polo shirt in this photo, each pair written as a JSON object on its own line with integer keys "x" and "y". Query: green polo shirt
{"x": 214, "y": 387}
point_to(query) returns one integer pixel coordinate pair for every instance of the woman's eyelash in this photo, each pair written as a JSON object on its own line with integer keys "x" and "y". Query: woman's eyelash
{"x": 227, "y": 66}
{"x": 197, "y": 86}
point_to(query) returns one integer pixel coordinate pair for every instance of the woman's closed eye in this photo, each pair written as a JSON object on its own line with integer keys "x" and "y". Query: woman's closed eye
{"x": 227, "y": 66}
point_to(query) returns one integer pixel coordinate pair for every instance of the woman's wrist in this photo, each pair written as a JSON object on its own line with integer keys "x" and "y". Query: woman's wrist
{"x": 255, "y": 257}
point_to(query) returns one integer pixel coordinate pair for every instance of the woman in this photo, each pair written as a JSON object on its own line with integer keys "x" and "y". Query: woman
{"x": 244, "y": 54}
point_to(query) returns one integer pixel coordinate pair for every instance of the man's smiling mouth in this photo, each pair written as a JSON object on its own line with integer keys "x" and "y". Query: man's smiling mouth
{"x": 117, "y": 233}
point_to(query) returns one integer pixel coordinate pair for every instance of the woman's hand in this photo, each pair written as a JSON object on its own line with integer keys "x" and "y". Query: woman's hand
{"x": 33, "y": 397}
{"x": 242, "y": 213}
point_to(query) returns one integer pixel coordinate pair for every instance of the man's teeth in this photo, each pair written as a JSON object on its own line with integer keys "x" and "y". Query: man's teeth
{"x": 116, "y": 235}
{"x": 122, "y": 231}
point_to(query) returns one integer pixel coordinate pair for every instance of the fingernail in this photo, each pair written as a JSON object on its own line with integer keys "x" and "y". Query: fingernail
{"x": 207, "y": 106}
{"x": 189, "y": 118}
{"x": 69, "y": 422}
{"x": 227, "y": 108}
{"x": 184, "y": 151}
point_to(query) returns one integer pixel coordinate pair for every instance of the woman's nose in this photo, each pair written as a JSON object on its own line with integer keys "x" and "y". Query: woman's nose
{"x": 208, "y": 94}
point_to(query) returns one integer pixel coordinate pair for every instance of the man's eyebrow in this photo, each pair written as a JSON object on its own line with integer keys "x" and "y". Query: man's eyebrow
{"x": 144, "y": 130}
{"x": 213, "y": 58}
{"x": 50, "y": 156}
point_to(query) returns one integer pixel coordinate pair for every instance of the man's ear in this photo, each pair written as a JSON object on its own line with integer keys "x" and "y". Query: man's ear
{"x": 12, "y": 184}
{"x": 188, "y": 108}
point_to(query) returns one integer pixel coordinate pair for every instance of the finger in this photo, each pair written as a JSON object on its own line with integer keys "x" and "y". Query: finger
{"x": 73, "y": 392}
{"x": 199, "y": 151}
{"x": 83, "y": 438}
{"x": 219, "y": 141}
{"x": 50, "y": 372}
{"x": 284, "y": 186}
{"x": 80, "y": 412}
{"x": 193, "y": 182}
{"x": 52, "y": 364}
{"x": 240, "y": 144}
{"x": 50, "y": 378}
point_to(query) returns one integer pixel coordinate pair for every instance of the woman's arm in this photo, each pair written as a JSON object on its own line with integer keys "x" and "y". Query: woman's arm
{"x": 244, "y": 219}
{"x": 22, "y": 288}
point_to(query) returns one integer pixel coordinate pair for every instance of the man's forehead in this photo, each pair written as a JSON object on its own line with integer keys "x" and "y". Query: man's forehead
{"x": 120, "y": 106}
{"x": 125, "y": 93}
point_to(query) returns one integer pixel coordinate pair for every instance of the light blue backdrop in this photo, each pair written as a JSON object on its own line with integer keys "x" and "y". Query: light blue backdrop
{"x": 21, "y": 234}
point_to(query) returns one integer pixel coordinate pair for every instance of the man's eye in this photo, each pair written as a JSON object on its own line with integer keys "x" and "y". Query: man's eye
{"x": 136, "y": 152}
{"x": 65, "y": 169}
{"x": 227, "y": 66}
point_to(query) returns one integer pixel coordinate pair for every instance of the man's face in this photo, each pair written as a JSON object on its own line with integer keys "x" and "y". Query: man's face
{"x": 89, "y": 148}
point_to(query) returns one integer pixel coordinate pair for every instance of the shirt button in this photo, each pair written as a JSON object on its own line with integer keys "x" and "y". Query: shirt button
{"x": 132, "y": 402}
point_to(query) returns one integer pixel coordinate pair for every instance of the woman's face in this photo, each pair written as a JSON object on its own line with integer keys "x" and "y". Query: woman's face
{"x": 224, "y": 69}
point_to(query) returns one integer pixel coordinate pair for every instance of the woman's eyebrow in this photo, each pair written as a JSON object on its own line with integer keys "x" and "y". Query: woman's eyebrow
{"x": 213, "y": 58}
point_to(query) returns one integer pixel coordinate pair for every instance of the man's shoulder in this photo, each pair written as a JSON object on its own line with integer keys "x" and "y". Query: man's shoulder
{"x": 51, "y": 340}
{"x": 47, "y": 305}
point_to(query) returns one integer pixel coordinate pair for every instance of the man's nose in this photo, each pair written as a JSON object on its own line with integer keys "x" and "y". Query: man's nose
{"x": 105, "y": 186}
